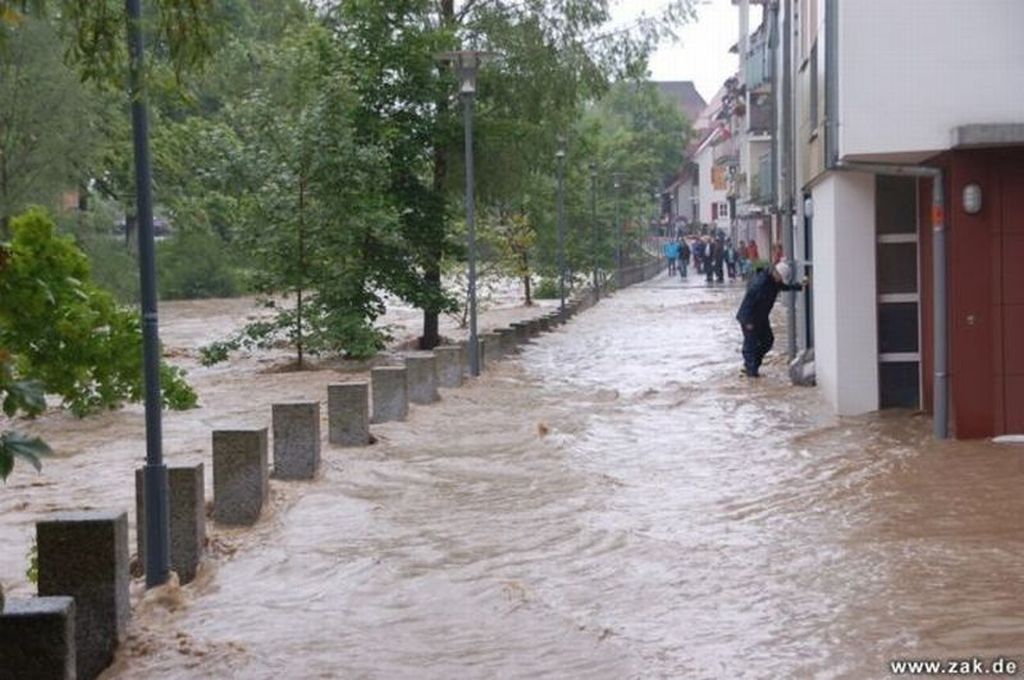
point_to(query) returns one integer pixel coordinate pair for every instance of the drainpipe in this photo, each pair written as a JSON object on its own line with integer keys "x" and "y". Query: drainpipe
{"x": 940, "y": 331}
{"x": 787, "y": 169}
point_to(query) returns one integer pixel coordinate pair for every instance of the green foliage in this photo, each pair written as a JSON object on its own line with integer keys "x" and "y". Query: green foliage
{"x": 32, "y": 573}
{"x": 547, "y": 289}
{"x": 65, "y": 332}
{"x": 47, "y": 136}
{"x": 194, "y": 264}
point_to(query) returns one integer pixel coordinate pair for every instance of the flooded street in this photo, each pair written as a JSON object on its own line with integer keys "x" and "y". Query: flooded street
{"x": 614, "y": 502}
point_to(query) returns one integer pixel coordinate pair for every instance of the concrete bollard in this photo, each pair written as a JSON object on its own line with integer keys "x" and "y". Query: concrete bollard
{"x": 522, "y": 334}
{"x": 84, "y": 555}
{"x": 449, "y": 365}
{"x": 421, "y": 372}
{"x": 508, "y": 340}
{"x": 296, "y": 440}
{"x": 187, "y": 518}
{"x": 240, "y": 482}
{"x": 37, "y": 639}
{"x": 390, "y": 392}
{"x": 492, "y": 347}
{"x": 348, "y": 414}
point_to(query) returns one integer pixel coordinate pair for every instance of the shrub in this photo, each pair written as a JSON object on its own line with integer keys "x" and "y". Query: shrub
{"x": 195, "y": 264}
{"x": 546, "y": 289}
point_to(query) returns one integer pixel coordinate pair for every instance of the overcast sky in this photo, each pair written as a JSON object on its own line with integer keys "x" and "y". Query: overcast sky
{"x": 702, "y": 52}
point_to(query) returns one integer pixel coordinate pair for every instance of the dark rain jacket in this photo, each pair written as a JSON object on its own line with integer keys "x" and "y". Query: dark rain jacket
{"x": 760, "y": 298}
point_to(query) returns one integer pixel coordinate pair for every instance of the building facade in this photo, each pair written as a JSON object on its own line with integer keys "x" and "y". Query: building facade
{"x": 881, "y": 100}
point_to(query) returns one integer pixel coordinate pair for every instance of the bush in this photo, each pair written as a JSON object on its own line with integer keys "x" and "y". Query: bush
{"x": 195, "y": 264}
{"x": 546, "y": 289}
{"x": 113, "y": 266}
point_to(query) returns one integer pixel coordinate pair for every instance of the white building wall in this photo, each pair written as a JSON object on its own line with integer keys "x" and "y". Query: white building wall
{"x": 845, "y": 321}
{"x": 912, "y": 70}
{"x": 708, "y": 195}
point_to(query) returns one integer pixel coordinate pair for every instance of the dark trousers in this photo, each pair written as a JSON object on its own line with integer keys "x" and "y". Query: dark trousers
{"x": 684, "y": 262}
{"x": 757, "y": 342}
{"x": 709, "y": 269}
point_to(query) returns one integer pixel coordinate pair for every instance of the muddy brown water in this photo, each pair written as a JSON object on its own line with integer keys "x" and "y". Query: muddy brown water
{"x": 613, "y": 503}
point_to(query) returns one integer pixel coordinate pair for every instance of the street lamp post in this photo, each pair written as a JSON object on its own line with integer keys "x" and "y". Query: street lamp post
{"x": 593, "y": 220}
{"x": 617, "y": 184}
{"x": 157, "y": 558}
{"x": 560, "y": 156}
{"x": 467, "y": 63}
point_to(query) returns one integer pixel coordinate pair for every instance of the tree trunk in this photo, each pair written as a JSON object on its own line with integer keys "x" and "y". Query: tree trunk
{"x": 301, "y": 268}
{"x": 432, "y": 271}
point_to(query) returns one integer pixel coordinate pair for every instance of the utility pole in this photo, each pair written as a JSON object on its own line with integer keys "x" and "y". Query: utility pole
{"x": 617, "y": 185}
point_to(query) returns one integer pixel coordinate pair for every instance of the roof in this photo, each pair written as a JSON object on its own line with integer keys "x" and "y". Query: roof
{"x": 685, "y": 95}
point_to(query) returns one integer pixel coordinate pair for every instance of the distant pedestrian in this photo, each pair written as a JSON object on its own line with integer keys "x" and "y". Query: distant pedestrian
{"x": 755, "y": 311}
{"x": 752, "y": 253}
{"x": 698, "y": 256}
{"x": 730, "y": 259}
{"x": 709, "y": 260}
{"x": 719, "y": 260}
{"x": 671, "y": 250}
{"x": 684, "y": 257}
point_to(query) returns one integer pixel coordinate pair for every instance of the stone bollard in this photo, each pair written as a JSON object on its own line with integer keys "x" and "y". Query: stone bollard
{"x": 507, "y": 338}
{"x": 390, "y": 392}
{"x": 421, "y": 372}
{"x": 522, "y": 333}
{"x": 84, "y": 555}
{"x": 492, "y": 347}
{"x": 544, "y": 323}
{"x": 449, "y": 365}
{"x": 37, "y": 639}
{"x": 296, "y": 440}
{"x": 533, "y": 327}
{"x": 187, "y": 518}
{"x": 348, "y": 414}
{"x": 240, "y": 481}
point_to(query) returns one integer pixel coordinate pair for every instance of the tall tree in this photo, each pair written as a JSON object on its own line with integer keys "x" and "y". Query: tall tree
{"x": 556, "y": 55}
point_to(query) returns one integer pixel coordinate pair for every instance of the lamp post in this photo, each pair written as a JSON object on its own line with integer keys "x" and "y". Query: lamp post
{"x": 157, "y": 558}
{"x": 467, "y": 63}
{"x": 560, "y": 156}
{"x": 617, "y": 184}
{"x": 593, "y": 220}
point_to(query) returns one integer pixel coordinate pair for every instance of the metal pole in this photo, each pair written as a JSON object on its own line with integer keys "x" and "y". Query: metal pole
{"x": 940, "y": 339}
{"x": 155, "y": 475}
{"x": 474, "y": 343}
{"x": 560, "y": 155}
{"x": 618, "y": 234}
{"x": 593, "y": 219}
{"x": 787, "y": 209}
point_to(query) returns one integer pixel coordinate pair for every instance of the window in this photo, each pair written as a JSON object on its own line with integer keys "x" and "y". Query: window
{"x": 722, "y": 210}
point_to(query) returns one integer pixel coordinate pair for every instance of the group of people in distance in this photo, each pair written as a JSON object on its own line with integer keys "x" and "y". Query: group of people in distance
{"x": 714, "y": 256}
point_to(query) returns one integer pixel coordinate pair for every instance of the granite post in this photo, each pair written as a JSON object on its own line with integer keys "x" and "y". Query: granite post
{"x": 187, "y": 513}
{"x": 84, "y": 555}
{"x": 449, "y": 365}
{"x": 421, "y": 372}
{"x": 296, "y": 440}
{"x": 37, "y": 639}
{"x": 348, "y": 414}
{"x": 390, "y": 392}
{"x": 240, "y": 481}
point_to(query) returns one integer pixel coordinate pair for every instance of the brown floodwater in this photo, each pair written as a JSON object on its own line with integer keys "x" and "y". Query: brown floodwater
{"x": 615, "y": 502}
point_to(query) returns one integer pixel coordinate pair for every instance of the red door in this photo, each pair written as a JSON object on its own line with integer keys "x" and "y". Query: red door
{"x": 1013, "y": 296}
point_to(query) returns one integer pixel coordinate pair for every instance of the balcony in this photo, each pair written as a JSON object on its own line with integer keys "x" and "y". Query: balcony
{"x": 758, "y": 72}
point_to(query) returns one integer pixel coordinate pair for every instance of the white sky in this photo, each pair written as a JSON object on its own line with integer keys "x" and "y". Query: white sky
{"x": 702, "y": 53}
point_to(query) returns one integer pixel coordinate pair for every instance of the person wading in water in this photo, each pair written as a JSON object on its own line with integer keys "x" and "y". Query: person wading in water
{"x": 755, "y": 311}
